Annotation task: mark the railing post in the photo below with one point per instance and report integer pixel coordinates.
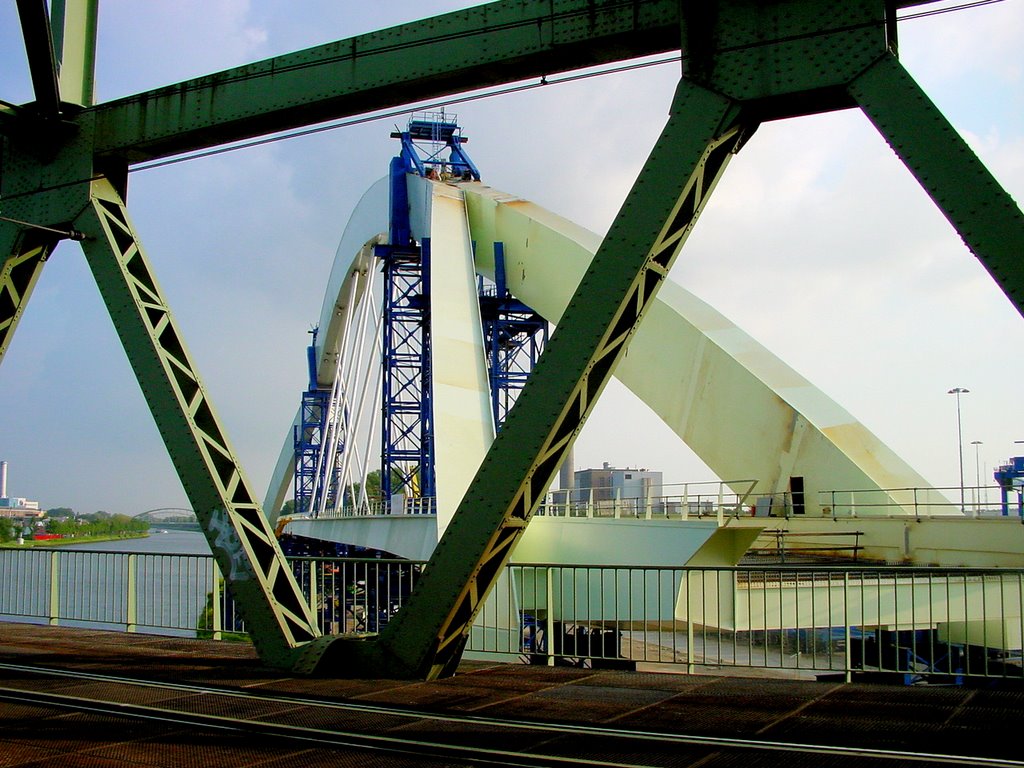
(313, 593)
(691, 667)
(686, 502)
(54, 588)
(721, 512)
(131, 594)
(216, 617)
(847, 651)
(549, 620)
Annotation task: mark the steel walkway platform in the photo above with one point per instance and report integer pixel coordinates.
(76, 697)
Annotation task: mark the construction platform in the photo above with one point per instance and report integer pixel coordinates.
(77, 697)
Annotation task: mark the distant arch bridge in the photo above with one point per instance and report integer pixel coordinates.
(168, 515)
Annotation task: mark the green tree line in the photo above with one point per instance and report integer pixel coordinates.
(64, 521)
(97, 524)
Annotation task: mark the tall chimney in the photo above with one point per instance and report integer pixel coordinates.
(3, 479)
(566, 478)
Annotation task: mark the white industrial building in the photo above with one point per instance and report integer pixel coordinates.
(13, 507)
(610, 483)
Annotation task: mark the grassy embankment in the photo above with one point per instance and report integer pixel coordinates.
(50, 543)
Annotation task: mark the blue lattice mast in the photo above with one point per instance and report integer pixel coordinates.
(308, 438)
(407, 435)
(514, 337)
(319, 447)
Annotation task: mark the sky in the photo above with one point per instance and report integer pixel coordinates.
(817, 242)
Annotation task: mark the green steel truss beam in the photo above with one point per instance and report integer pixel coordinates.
(980, 210)
(25, 254)
(42, 61)
(487, 45)
(650, 229)
(74, 38)
(658, 215)
(477, 47)
(242, 541)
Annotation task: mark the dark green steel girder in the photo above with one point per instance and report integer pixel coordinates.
(42, 61)
(486, 45)
(977, 206)
(240, 537)
(24, 254)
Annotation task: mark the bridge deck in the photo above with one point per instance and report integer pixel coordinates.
(182, 702)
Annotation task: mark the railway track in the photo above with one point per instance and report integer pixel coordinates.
(454, 738)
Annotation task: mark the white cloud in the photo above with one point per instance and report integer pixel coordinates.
(170, 41)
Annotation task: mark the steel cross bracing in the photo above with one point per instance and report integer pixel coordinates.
(407, 457)
(309, 449)
(316, 472)
(514, 337)
(64, 167)
(407, 463)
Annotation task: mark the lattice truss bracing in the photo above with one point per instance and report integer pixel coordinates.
(406, 462)
(339, 410)
(315, 474)
(514, 337)
(65, 163)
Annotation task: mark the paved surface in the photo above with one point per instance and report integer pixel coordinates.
(41, 731)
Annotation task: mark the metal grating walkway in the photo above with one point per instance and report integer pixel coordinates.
(75, 697)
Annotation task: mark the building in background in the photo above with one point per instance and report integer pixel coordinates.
(610, 483)
(15, 507)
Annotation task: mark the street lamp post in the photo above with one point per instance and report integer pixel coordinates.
(960, 441)
(977, 477)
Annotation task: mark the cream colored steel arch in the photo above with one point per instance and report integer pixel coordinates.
(463, 427)
(352, 261)
(742, 410)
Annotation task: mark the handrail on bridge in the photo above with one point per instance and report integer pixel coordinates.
(721, 500)
(913, 623)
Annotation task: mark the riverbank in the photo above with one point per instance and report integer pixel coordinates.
(51, 543)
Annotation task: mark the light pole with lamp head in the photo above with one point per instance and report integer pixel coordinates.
(960, 441)
(977, 478)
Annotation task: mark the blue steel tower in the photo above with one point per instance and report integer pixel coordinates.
(407, 455)
(308, 439)
(514, 336)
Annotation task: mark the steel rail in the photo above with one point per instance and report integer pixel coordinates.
(400, 745)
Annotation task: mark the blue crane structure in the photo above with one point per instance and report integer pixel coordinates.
(514, 336)
(309, 434)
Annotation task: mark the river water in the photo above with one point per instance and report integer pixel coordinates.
(159, 542)
(164, 587)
